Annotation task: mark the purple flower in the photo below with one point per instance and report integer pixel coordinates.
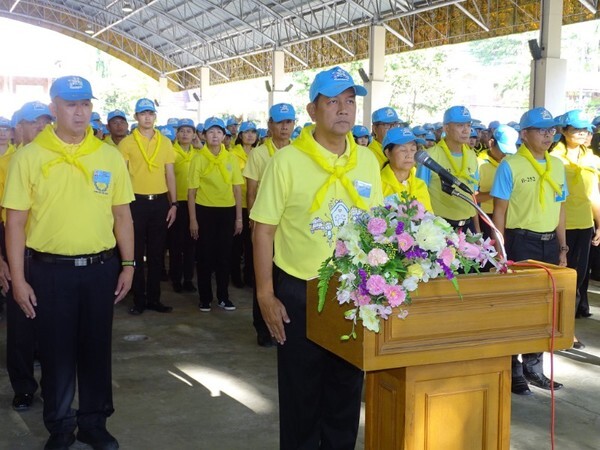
(340, 249)
(377, 226)
(362, 286)
(447, 271)
(416, 252)
(376, 285)
(400, 228)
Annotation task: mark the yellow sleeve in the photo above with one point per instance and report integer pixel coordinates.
(17, 193)
(123, 190)
(236, 173)
(194, 173)
(271, 197)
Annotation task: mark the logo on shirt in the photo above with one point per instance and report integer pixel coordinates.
(101, 181)
(338, 215)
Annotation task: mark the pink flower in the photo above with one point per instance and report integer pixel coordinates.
(395, 295)
(467, 249)
(420, 213)
(405, 241)
(377, 257)
(376, 284)
(340, 249)
(447, 256)
(377, 226)
(362, 300)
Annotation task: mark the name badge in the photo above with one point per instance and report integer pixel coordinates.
(101, 180)
(363, 188)
(562, 196)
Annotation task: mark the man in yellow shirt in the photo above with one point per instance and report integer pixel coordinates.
(150, 159)
(300, 206)
(529, 192)
(282, 118)
(118, 127)
(67, 197)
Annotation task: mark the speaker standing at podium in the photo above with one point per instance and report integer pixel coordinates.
(310, 189)
(529, 191)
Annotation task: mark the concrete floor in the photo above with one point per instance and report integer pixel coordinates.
(199, 381)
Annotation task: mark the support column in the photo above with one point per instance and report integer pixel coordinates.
(202, 112)
(548, 73)
(277, 94)
(378, 95)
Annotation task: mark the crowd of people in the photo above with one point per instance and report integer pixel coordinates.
(91, 210)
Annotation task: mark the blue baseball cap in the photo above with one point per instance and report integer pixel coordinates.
(105, 129)
(262, 133)
(360, 131)
(31, 111)
(168, 131)
(144, 104)
(506, 137)
(247, 126)
(333, 82)
(493, 125)
(537, 118)
(428, 126)
(173, 121)
(5, 123)
(457, 114)
(473, 133)
(72, 88)
(185, 123)
(385, 115)
(281, 112)
(438, 126)
(95, 125)
(115, 113)
(596, 121)
(95, 116)
(232, 121)
(430, 136)
(577, 119)
(214, 122)
(478, 126)
(419, 130)
(200, 128)
(398, 136)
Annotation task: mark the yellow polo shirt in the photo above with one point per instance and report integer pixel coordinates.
(4, 162)
(581, 169)
(415, 187)
(487, 171)
(183, 160)
(258, 160)
(377, 150)
(304, 239)
(70, 212)
(214, 177)
(242, 157)
(158, 150)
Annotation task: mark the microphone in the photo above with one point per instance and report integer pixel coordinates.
(422, 157)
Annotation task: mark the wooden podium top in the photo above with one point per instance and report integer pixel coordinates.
(500, 314)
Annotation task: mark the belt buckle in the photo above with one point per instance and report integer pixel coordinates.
(546, 237)
(80, 262)
(151, 197)
(461, 223)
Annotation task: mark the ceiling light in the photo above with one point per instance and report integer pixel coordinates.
(127, 7)
(90, 29)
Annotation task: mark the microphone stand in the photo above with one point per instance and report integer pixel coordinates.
(450, 189)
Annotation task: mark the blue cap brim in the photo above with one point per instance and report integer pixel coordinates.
(338, 88)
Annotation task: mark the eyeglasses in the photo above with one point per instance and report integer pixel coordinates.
(544, 131)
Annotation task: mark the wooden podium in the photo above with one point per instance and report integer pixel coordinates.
(440, 379)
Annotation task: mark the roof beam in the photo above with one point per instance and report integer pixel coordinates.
(479, 22)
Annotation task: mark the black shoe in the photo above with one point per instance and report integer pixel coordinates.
(177, 287)
(188, 286)
(578, 345)
(136, 310)
(540, 380)
(159, 307)
(22, 402)
(98, 439)
(585, 315)
(264, 340)
(519, 386)
(59, 441)
(204, 306)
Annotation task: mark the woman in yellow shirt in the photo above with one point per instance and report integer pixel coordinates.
(246, 140)
(582, 206)
(398, 173)
(215, 208)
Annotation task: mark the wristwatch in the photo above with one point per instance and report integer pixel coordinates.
(175, 204)
(564, 248)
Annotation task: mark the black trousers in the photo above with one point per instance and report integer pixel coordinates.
(319, 393)
(242, 247)
(213, 251)
(579, 242)
(150, 228)
(182, 248)
(518, 248)
(74, 330)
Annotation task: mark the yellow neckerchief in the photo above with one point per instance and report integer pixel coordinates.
(388, 176)
(545, 175)
(270, 146)
(9, 150)
(148, 158)
(51, 142)
(306, 144)
(561, 151)
(493, 162)
(186, 157)
(238, 150)
(217, 161)
(462, 173)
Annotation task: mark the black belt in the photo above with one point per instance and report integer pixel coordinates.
(76, 261)
(532, 234)
(150, 196)
(458, 223)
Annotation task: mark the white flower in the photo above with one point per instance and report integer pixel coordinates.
(410, 283)
(358, 255)
(343, 296)
(430, 237)
(368, 315)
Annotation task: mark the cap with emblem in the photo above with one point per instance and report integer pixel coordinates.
(144, 104)
(333, 82)
(71, 88)
(281, 112)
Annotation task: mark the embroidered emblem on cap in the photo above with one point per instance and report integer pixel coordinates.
(75, 83)
(340, 74)
(389, 112)
(546, 115)
(284, 108)
(145, 103)
(465, 112)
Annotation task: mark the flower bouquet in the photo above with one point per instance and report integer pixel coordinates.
(382, 255)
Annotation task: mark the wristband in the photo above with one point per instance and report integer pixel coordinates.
(564, 248)
(175, 204)
(128, 262)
